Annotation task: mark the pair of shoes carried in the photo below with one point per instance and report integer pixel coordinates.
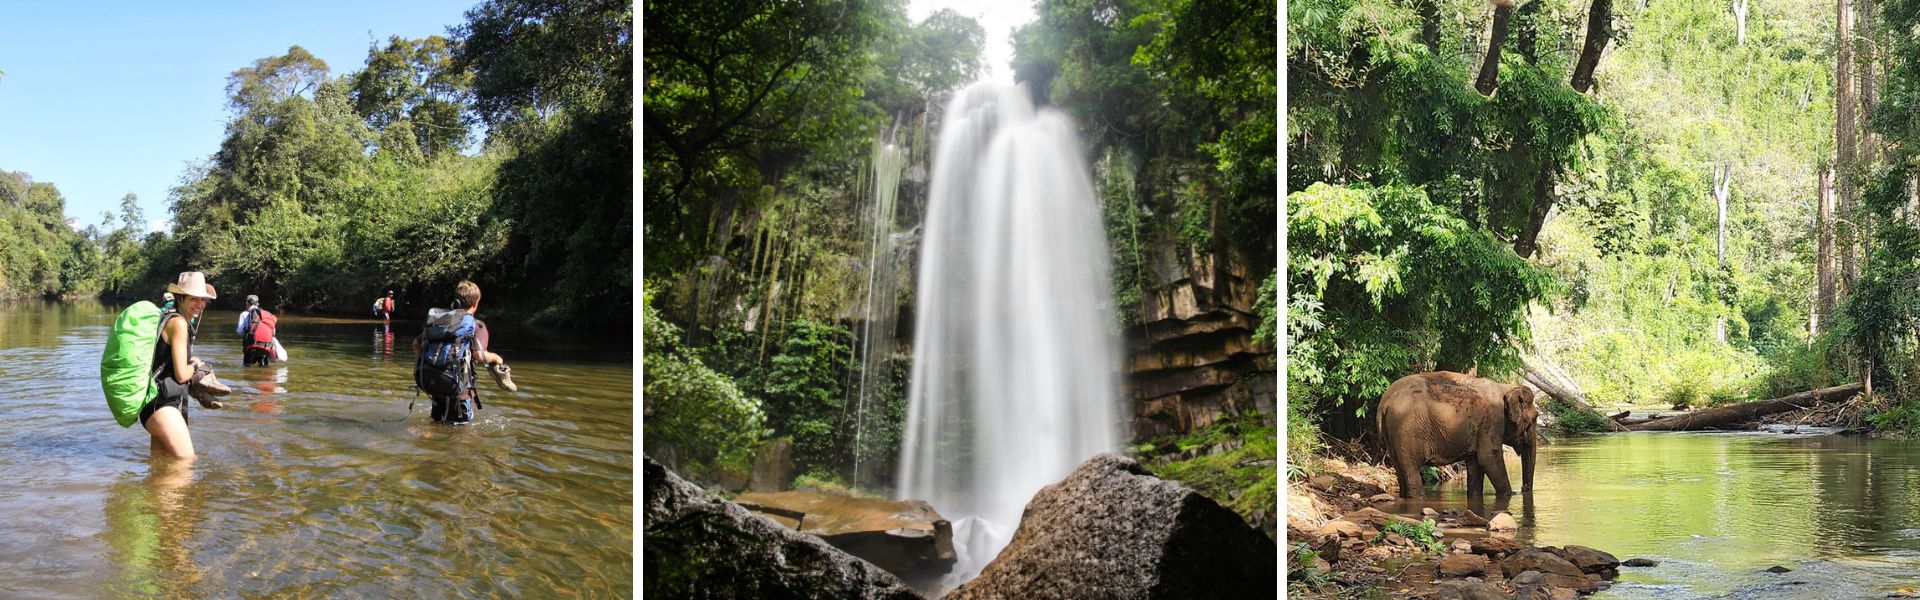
(503, 375)
(204, 387)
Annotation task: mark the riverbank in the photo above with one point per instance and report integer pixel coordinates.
(1340, 546)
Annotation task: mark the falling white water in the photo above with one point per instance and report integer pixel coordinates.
(1015, 367)
(882, 299)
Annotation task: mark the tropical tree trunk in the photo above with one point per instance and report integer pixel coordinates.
(1529, 239)
(1490, 66)
(1845, 102)
(1823, 263)
(1599, 32)
(1429, 23)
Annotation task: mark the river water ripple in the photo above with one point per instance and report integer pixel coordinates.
(316, 480)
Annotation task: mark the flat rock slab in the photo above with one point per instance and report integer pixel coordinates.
(897, 535)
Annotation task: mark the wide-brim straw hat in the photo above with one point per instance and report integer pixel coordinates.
(193, 283)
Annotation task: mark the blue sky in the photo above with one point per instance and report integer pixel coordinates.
(106, 98)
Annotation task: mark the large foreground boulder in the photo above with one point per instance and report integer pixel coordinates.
(1113, 530)
(699, 546)
(896, 535)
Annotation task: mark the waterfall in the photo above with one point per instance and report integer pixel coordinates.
(1016, 365)
(889, 161)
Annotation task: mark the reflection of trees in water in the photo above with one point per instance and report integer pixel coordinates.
(1870, 487)
(1749, 499)
(150, 522)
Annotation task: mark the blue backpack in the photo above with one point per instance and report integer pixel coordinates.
(445, 365)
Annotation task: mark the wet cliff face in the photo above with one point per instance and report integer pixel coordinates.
(1191, 358)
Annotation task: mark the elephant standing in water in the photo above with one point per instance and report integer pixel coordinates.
(1436, 419)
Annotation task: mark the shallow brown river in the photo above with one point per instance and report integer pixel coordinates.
(315, 481)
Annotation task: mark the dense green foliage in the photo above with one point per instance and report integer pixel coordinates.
(1384, 280)
(1647, 286)
(1176, 99)
(692, 411)
(40, 254)
(1627, 291)
(1881, 319)
(760, 119)
(327, 190)
(1408, 184)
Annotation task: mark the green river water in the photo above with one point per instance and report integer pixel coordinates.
(1717, 509)
(315, 480)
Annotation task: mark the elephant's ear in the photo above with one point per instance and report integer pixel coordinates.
(1518, 400)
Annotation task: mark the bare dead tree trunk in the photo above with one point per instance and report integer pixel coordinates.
(1740, 21)
(1728, 415)
(1722, 186)
(1823, 265)
(1599, 32)
(1490, 66)
(1845, 102)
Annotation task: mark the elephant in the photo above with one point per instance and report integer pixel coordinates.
(1439, 418)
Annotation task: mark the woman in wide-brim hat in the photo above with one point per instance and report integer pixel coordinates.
(165, 418)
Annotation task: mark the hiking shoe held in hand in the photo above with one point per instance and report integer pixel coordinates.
(503, 375)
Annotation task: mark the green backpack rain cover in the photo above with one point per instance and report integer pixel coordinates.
(126, 369)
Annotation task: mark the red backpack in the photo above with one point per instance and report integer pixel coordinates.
(260, 334)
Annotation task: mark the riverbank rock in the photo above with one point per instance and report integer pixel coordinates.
(1496, 547)
(1468, 519)
(1468, 590)
(1640, 562)
(699, 546)
(1463, 565)
(900, 536)
(1538, 559)
(772, 467)
(1502, 521)
(1113, 530)
(1590, 561)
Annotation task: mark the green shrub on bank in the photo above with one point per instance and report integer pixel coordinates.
(1570, 421)
(697, 412)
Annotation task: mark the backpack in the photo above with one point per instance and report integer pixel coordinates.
(444, 367)
(378, 303)
(260, 330)
(127, 368)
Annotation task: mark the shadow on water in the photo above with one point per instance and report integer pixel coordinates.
(316, 480)
(1717, 509)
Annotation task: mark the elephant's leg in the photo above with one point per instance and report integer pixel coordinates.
(1474, 473)
(1408, 468)
(1494, 462)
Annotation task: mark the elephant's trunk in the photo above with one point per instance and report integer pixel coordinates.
(1526, 467)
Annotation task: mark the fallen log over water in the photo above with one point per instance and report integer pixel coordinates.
(1727, 415)
(1550, 379)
